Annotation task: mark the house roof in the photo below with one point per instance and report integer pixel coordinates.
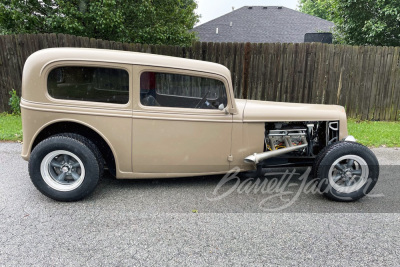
(262, 24)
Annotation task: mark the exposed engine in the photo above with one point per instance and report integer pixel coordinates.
(317, 135)
(277, 139)
(295, 140)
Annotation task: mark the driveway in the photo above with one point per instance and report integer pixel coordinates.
(198, 221)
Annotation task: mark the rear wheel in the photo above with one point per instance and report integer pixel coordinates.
(346, 171)
(65, 167)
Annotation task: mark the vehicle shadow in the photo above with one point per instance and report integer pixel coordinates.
(219, 194)
(278, 190)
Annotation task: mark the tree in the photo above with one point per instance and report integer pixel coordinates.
(319, 8)
(359, 22)
(368, 22)
(140, 21)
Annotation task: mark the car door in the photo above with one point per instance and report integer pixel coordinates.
(180, 124)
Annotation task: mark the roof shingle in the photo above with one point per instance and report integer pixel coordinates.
(262, 24)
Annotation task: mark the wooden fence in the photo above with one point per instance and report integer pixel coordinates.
(366, 80)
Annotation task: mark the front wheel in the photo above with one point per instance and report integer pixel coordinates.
(65, 167)
(346, 171)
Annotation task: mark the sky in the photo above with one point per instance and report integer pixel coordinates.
(211, 9)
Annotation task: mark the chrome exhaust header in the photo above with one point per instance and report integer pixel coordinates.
(258, 157)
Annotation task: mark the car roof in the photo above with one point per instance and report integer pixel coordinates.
(46, 56)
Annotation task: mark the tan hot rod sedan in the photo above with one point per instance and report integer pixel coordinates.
(149, 116)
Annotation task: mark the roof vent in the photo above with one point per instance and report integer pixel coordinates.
(279, 7)
(250, 7)
(265, 7)
(230, 24)
(216, 31)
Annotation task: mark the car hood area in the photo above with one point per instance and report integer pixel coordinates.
(261, 111)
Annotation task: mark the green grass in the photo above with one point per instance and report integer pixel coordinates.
(375, 133)
(10, 127)
(369, 133)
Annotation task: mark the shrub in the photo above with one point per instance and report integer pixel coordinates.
(14, 103)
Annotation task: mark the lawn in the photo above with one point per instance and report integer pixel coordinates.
(10, 127)
(369, 133)
(375, 133)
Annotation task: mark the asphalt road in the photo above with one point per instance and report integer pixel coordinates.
(154, 222)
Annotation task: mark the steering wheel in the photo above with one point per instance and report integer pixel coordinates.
(203, 100)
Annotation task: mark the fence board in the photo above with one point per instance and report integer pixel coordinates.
(395, 91)
(308, 72)
(367, 72)
(362, 59)
(273, 66)
(3, 83)
(264, 71)
(385, 90)
(280, 71)
(396, 103)
(373, 93)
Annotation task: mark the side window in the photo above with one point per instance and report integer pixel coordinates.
(181, 91)
(89, 84)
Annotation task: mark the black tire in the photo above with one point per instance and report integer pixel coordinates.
(83, 160)
(350, 179)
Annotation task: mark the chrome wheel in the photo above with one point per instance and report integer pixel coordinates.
(62, 170)
(348, 173)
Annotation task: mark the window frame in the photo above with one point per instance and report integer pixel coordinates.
(95, 64)
(139, 70)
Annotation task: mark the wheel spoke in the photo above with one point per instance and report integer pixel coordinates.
(75, 165)
(356, 172)
(61, 177)
(336, 178)
(339, 167)
(66, 158)
(350, 163)
(56, 164)
(75, 175)
(347, 183)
